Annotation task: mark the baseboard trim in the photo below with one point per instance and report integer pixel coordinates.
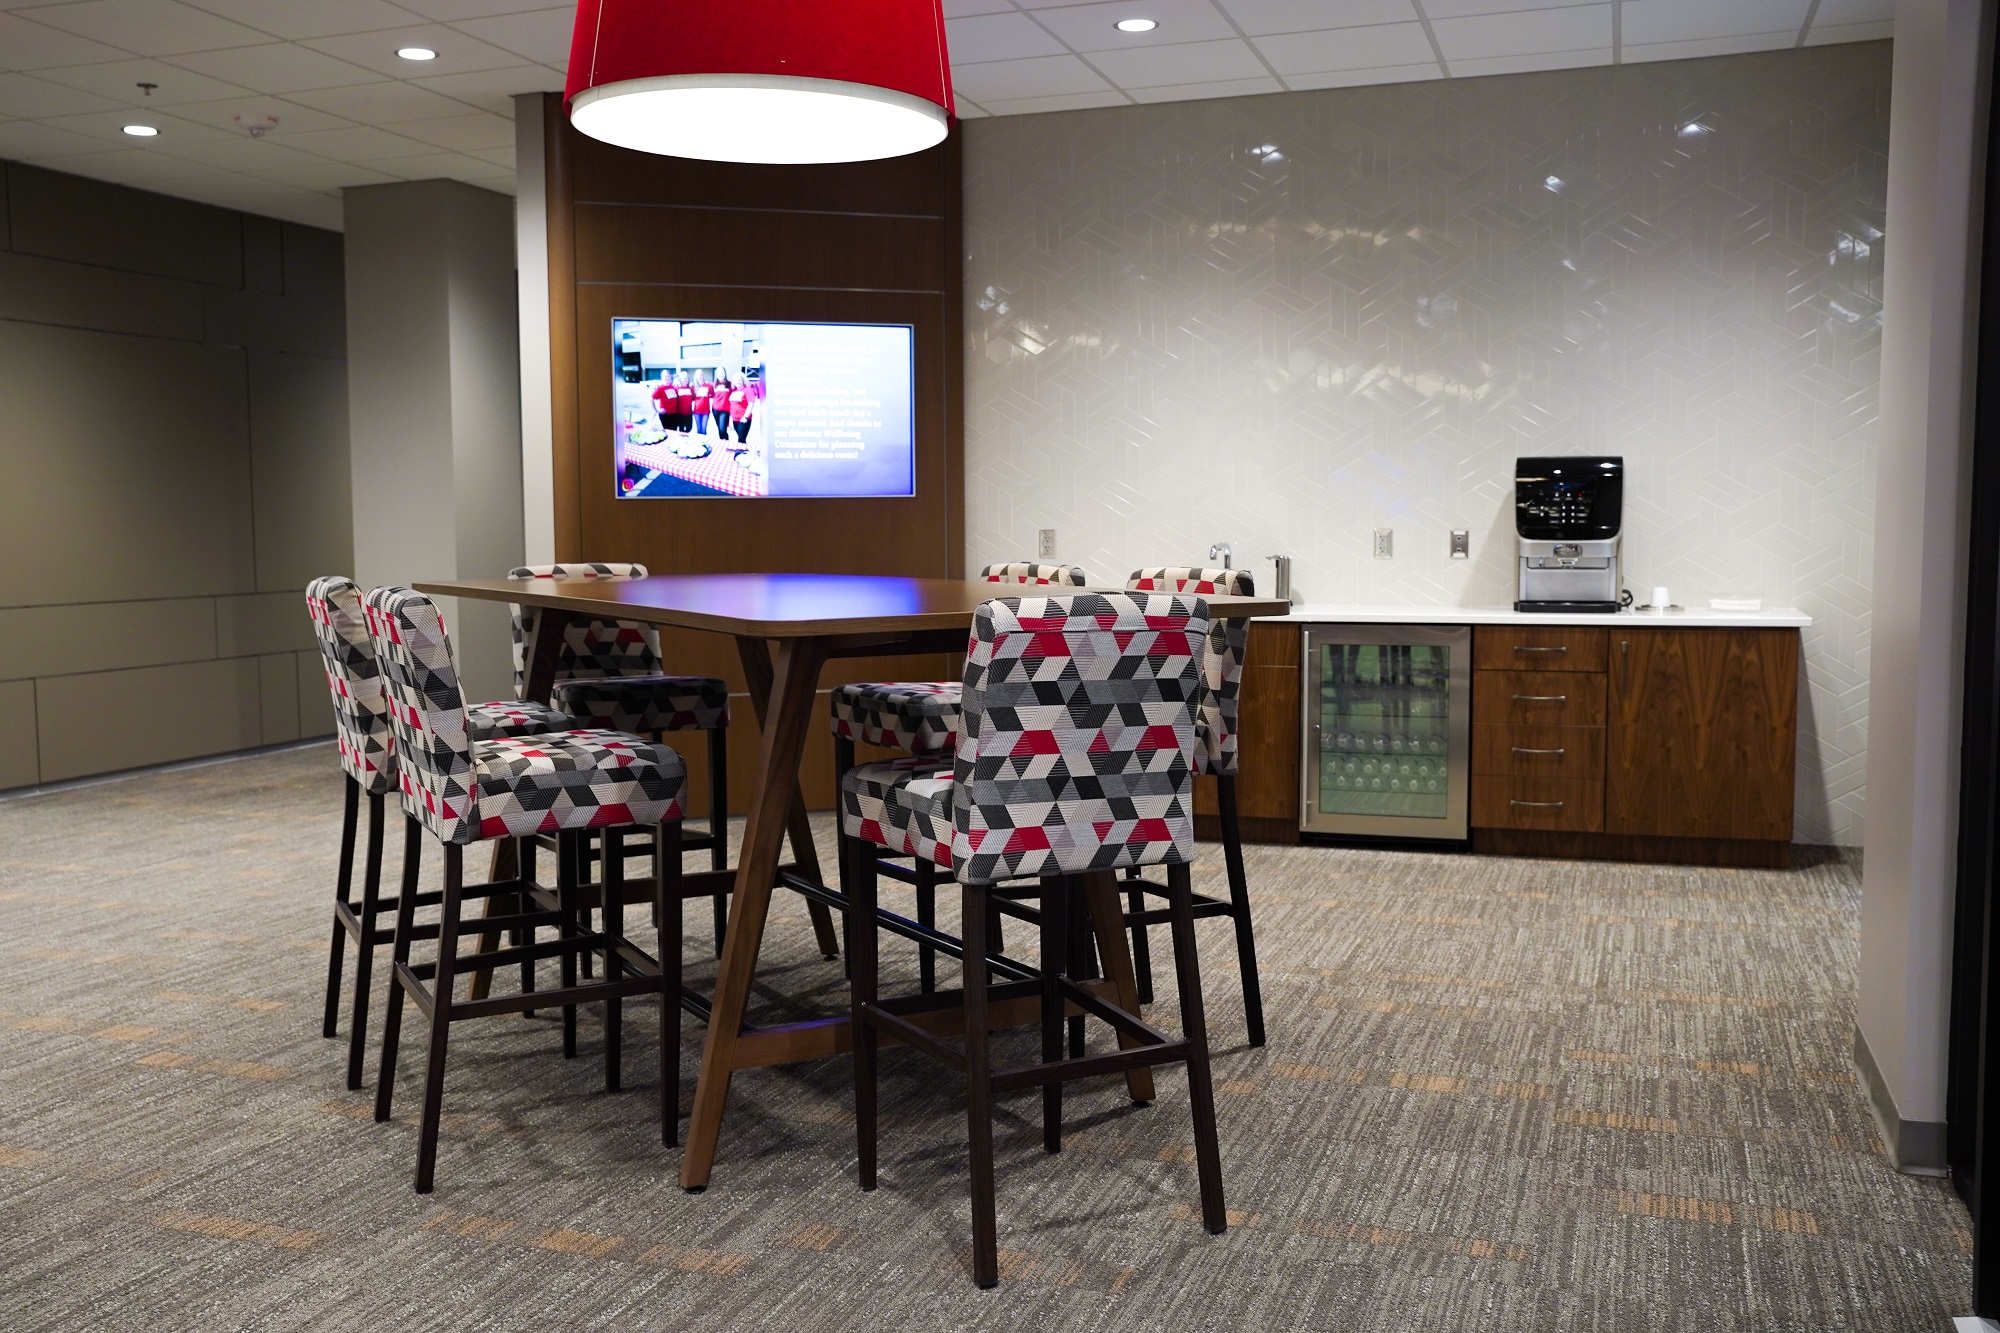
(178, 765)
(1916, 1147)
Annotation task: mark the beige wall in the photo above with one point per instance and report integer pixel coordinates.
(173, 470)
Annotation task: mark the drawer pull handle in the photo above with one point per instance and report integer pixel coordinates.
(1521, 750)
(1541, 698)
(1523, 648)
(1536, 805)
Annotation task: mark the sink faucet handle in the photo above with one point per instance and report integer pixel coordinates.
(1220, 551)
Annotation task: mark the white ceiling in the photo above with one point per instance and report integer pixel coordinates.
(350, 112)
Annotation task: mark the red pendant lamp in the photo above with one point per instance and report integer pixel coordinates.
(761, 80)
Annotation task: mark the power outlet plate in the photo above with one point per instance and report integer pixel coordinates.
(1385, 543)
(1461, 544)
(1045, 544)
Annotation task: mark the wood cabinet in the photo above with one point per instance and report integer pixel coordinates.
(1267, 738)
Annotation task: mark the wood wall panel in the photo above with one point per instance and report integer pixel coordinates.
(743, 247)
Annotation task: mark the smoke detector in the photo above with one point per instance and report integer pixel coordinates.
(258, 125)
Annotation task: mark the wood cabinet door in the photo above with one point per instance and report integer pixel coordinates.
(1702, 733)
(1267, 728)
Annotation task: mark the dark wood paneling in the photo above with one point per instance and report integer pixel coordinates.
(1267, 832)
(1616, 847)
(91, 222)
(896, 185)
(1267, 719)
(1503, 751)
(1704, 733)
(718, 249)
(1538, 698)
(1573, 805)
(1537, 648)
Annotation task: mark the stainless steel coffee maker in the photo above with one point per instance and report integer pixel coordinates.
(1567, 515)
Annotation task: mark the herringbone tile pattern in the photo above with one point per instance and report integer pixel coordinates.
(1283, 321)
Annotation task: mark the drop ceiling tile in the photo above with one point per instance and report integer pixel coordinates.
(1191, 92)
(1572, 28)
(242, 153)
(429, 166)
(23, 96)
(451, 11)
(1646, 22)
(1452, 9)
(1262, 17)
(1056, 102)
(1525, 64)
(1340, 49)
(124, 166)
(497, 157)
(264, 198)
(318, 18)
(1355, 78)
(1191, 62)
(494, 89)
(156, 27)
(354, 143)
(119, 80)
(1828, 34)
(1014, 80)
(1093, 27)
(326, 176)
(278, 67)
(958, 9)
(1708, 46)
(997, 37)
(1832, 13)
(293, 117)
(25, 44)
(456, 52)
(108, 127)
(26, 140)
(381, 103)
(540, 35)
(463, 134)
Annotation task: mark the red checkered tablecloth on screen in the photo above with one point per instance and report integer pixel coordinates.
(719, 471)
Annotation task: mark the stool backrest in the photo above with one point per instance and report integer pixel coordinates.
(591, 649)
(1027, 571)
(1076, 749)
(426, 712)
(1222, 668)
(354, 678)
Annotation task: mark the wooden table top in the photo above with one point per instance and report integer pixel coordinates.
(783, 606)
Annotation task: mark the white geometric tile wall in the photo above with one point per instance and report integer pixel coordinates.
(1283, 321)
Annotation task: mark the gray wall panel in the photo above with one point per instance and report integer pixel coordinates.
(315, 703)
(104, 636)
(264, 322)
(140, 486)
(68, 217)
(265, 622)
(161, 714)
(315, 263)
(18, 765)
(303, 490)
(278, 697)
(54, 291)
(263, 254)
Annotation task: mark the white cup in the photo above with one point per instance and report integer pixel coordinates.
(1660, 599)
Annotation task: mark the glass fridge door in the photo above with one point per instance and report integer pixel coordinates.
(1387, 735)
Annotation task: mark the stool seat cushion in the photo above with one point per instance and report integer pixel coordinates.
(918, 716)
(646, 704)
(901, 804)
(514, 717)
(572, 780)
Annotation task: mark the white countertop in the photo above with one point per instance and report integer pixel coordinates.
(1783, 617)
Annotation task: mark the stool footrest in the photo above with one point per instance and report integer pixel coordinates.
(913, 1036)
(1089, 1066)
(412, 978)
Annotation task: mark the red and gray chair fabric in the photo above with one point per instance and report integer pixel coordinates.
(463, 789)
(1222, 675)
(1060, 768)
(368, 759)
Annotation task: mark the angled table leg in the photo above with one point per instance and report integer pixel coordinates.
(788, 714)
(1114, 951)
(756, 657)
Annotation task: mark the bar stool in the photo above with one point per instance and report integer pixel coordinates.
(368, 764)
(461, 791)
(921, 718)
(1062, 768)
(1222, 670)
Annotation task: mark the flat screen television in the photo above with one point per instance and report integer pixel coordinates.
(708, 409)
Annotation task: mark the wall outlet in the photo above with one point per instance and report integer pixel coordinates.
(1385, 543)
(1045, 544)
(1461, 544)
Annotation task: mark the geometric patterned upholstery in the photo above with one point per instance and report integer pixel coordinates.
(465, 789)
(621, 659)
(1077, 747)
(921, 716)
(515, 717)
(1222, 668)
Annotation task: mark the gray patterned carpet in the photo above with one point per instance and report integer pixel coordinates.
(1499, 1095)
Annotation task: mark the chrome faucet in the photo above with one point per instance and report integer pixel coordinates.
(1283, 564)
(1220, 551)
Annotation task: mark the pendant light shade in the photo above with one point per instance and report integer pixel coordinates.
(762, 80)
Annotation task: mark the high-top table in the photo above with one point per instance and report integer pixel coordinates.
(808, 619)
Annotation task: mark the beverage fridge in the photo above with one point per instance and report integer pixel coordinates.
(1387, 730)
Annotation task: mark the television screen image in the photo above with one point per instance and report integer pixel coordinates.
(709, 409)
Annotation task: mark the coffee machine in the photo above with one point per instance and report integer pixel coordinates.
(1567, 514)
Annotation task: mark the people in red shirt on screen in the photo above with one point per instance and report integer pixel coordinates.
(683, 404)
(665, 402)
(700, 409)
(742, 409)
(718, 403)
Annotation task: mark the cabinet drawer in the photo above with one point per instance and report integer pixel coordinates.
(1538, 648)
(1568, 805)
(1538, 698)
(1522, 751)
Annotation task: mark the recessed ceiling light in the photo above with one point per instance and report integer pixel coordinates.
(1136, 25)
(417, 53)
(141, 131)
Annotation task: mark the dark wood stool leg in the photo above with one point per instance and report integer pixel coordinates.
(1142, 939)
(862, 964)
(843, 759)
(977, 910)
(614, 931)
(1201, 1092)
(1239, 905)
(364, 956)
(406, 920)
(1079, 960)
(1056, 914)
(343, 887)
(587, 842)
(667, 917)
(718, 821)
(926, 916)
(568, 867)
(525, 934)
(441, 997)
